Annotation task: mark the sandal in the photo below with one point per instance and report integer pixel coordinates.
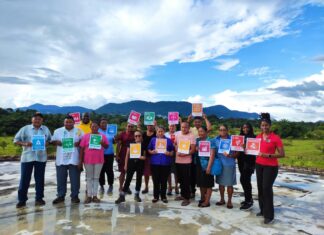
(229, 206)
(220, 203)
(155, 200)
(205, 204)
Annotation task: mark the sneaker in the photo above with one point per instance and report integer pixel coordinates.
(87, 200)
(164, 200)
(110, 190)
(268, 221)
(40, 202)
(120, 199)
(58, 200)
(95, 199)
(145, 191)
(185, 203)
(137, 198)
(242, 203)
(102, 190)
(20, 204)
(259, 214)
(75, 200)
(246, 206)
(129, 191)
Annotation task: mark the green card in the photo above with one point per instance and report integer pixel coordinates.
(149, 118)
(67, 145)
(94, 142)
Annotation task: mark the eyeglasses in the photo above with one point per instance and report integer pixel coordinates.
(138, 136)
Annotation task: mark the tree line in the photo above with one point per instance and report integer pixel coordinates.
(12, 120)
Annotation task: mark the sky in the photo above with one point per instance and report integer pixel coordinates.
(248, 55)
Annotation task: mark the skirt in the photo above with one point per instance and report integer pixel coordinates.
(228, 176)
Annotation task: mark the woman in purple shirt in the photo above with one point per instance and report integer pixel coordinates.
(162, 151)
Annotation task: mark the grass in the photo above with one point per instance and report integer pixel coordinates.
(299, 153)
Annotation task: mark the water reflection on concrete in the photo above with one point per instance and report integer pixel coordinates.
(298, 200)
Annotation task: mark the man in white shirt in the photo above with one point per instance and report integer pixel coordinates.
(67, 140)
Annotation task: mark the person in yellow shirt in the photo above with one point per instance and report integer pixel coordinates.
(85, 123)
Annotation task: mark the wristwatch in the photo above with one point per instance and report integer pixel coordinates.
(269, 155)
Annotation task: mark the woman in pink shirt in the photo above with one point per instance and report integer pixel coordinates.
(271, 148)
(92, 156)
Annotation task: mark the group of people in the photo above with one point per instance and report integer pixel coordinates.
(190, 170)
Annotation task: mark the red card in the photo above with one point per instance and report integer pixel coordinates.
(134, 117)
(173, 118)
(237, 143)
(252, 146)
(76, 117)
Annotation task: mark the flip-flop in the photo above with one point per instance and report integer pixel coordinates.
(220, 203)
(229, 206)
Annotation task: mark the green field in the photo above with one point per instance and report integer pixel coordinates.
(299, 153)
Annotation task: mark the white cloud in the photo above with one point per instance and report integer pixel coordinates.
(300, 100)
(93, 52)
(226, 65)
(256, 71)
(195, 99)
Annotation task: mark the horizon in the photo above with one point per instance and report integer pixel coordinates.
(249, 56)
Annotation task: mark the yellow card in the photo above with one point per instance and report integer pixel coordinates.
(197, 110)
(135, 150)
(184, 146)
(161, 145)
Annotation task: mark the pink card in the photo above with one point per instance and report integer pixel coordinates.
(204, 149)
(134, 117)
(76, 117)
(173, 118)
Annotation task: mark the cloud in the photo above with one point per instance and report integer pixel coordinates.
(12, 80)
(226, 65)
(195, 99)
(256, 71)
(319, 58)
(300, 100)
(93, 52)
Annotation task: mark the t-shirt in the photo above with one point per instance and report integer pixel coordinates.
(269, 146)
(161, 158)
(194, 131)
(110, 149)
(67, 158)
(185, 159)
(204, 160)
(226, 161)
(93, 156)
(86, 128)
(171, 136)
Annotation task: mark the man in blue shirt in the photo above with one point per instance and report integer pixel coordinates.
(33, 139)
(109, 154)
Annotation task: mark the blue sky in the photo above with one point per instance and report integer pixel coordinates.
(248, 55)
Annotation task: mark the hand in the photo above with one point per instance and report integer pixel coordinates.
(226, 154)
(142, 158)
(180, 119)
(204, 116)
(77, 144)
(80, 166)
(181, 154)
(27, 144)
(125, 167)
(58, 143)
(263, 154)
(189, 117)
(208, 170)
(155, 123)
(154, 151)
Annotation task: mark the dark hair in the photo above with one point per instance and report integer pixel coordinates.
(265, 117)
(95, 122)
(224, 125)
(103, 119)
(161, 127)
(203, 127)
(69, 117)
(185, 122)
(38, 114)
(250, 133)
(198, 118)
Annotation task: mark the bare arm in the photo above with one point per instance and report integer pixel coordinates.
(208, 124)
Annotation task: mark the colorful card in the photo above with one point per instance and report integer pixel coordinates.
(67, 145)
(112, 129)
(204, 149)
(38, 143)
(76, 117)
(173, 118)
(134, 117)
(237, 143)
(184, 146)
(161, 145)
(95, 141)
(149, 118)
(252, 146)
(197, 110)
(224, 146)
(135, 151)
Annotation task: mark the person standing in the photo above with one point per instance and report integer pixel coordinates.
(85, 124)
(246, 165)
(160, 164)
(109, 155)
(133, 165)
(93, 158)
(123, 140)
(228, 176)
(67, 140)
(183, 162)
(147, 137)
(32, 159)
(271, 148)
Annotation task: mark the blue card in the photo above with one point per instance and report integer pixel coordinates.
(224, 146)
(112, 129)
(38, 143)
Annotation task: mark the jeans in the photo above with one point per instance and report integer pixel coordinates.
(134, 165)
(183, 174)
(107, 169)
(62, 172)
(160, 176)
(92, 178)
(39, 176)
(266, 176)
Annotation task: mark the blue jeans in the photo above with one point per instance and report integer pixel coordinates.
(39, 176)
(62, 172)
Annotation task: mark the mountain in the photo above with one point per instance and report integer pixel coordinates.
(53, 109)
(160, 108)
